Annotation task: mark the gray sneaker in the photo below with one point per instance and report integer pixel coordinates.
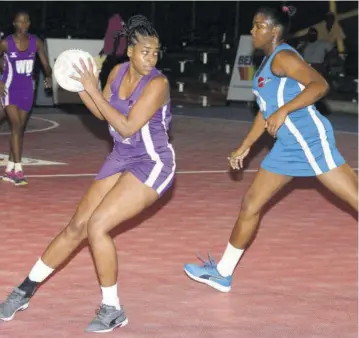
(17, 301)
(107, 318)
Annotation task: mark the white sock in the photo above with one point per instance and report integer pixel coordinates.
(110, 297)
(40, 271)
(10, 166)
(229, 260)
(18, 167)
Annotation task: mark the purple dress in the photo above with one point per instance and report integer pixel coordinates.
(147, 154)
(17, 77)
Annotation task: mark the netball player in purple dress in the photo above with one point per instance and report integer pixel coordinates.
(141, 167)
(2, 89)
(19, 51)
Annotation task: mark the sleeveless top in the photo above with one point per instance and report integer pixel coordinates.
(19, 65)
(153, 136)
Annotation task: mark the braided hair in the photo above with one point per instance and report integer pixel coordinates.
(279, 16)
(138, 25)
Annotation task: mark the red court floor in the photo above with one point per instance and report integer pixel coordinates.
(299, 278)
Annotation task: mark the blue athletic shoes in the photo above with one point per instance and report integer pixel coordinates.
(207, 273)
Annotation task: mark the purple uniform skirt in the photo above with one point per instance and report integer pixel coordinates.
(157, 173)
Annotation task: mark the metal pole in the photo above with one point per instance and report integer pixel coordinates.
(236, 23)
(43, 15)
(333, 6)
(333, 9)
(193, 26)
(153, 12)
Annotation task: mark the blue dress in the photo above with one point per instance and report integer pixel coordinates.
(305, 143)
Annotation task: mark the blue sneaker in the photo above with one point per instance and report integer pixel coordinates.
(207, 273)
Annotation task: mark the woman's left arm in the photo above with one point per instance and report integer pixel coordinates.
(289, 64)
(45, 63)
(153, 97)
(43, 57)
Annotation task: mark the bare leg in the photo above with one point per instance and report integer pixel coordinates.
(2, 115)
(343, 182)
(59, 249)
(15, 121)
(264, 186)
(23, 123)
(76, 231)
(125, 200)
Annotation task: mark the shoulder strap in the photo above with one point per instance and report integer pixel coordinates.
(115, 85)
(145, 80)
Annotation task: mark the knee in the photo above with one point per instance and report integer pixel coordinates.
(16, 127)
(355, 194)
(355, 202)
(76, 230)
(95, 228)
(249, 207)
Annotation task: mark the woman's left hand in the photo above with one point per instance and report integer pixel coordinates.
(86, 77)
(48, 82)
(275, 121)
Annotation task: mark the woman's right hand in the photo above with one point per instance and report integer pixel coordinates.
(236, 158)
(3, 90)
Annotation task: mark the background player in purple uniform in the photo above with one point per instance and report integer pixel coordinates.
(2, 87)
(141, 167)
(2, 90)
(19, 51)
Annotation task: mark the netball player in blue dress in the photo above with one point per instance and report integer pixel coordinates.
(286, 88)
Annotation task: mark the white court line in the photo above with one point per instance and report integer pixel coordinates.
(181, 172)
(53, 125)
(345, 132)
(250, 122)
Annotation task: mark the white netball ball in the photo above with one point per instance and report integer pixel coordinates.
(64, 68)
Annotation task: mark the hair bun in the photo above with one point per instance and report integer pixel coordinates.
(137, 21)
(289, 10)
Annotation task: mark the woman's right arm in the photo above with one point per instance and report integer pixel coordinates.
(3, 48)
(90, 104)
(257, 129)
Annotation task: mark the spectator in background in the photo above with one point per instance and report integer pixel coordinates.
(114, 49)
(317, 52)
(328, 30)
